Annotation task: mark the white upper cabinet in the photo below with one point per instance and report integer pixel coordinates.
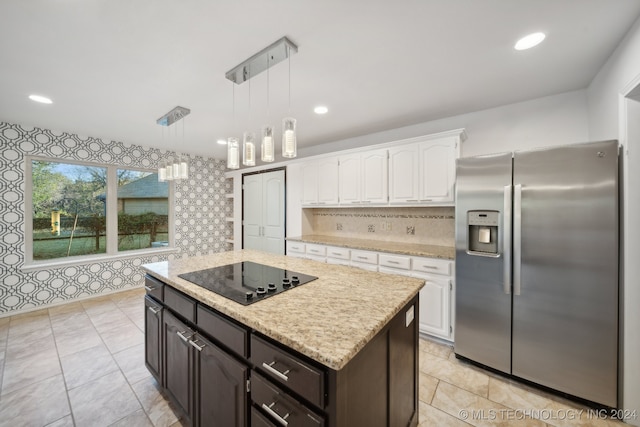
(438, 171)
(424, 172)
(363, 178)
(404, 174)
(320, 182)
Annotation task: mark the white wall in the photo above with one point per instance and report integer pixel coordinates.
(552, 120)
(611, 116)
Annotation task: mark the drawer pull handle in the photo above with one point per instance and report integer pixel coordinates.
(362, 257)
(196, 346)
(274, 414)
(149, 288)
(282, 375)
(336, 253)
(393, 262)
(433, 267)
(182, 337)
(154, 310)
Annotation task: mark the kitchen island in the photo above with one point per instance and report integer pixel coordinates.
(338, 351)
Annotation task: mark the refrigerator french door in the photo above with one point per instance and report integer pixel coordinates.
(537, 266)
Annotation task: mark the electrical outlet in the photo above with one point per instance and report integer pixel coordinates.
(371, 228)
(411, 229)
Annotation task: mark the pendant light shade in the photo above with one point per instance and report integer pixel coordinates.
(162, 171)
(249, 149)
(178, 168)
(289, 145)
(267, 149)
(233, 153)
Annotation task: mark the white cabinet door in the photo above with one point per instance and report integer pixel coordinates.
(435, 306)
(404, 174)
(374, 181)
(327, 179)
(310, 183)
(349, 179)
(438, 170)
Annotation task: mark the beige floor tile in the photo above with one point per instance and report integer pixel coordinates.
(131, 362)
(86, 365)
(29, 369)
(454, 372)
(65, 310)
(553, 410)
(39, 340)
(154, 403)
(35, 405)
(69, 341)
(432, 417)
(121, 339)
(99, 305)
(135, 419)
(427, 385)
(62, 422)
(71, 321)
(436, 348)
(477, 410)
(29, 322)
(110, 320)
(103, 401)
(4, 332)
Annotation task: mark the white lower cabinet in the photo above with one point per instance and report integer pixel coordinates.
(437, 297)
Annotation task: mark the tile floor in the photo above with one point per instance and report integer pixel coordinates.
(82, 364)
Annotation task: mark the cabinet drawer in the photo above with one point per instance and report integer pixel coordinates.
(316, 250)
(180, 303)
(431, 265)
(295, 247)
(225, 331)
(284, 368)
(339, 253)
(154, 288)
(364, 257)
(280, 406)
(259, 420)
(395, 261)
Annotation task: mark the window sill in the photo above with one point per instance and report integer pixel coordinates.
(73, 261)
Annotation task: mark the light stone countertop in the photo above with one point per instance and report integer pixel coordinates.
(328, 320)
(429, 251)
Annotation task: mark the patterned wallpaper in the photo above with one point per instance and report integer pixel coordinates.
(201, 209)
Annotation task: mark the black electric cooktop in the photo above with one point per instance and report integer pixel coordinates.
(247, 282)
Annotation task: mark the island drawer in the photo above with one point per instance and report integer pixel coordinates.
(180, 303)
(301, 377)
(430, 265)
(154, 288)
(223, 330)
(395, 261)
(280, 406)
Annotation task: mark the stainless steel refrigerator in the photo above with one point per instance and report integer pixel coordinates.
(537, 266)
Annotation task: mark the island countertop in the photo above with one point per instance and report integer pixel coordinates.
(403, 248)
(328, 320)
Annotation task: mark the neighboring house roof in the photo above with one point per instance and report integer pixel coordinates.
(144, 188)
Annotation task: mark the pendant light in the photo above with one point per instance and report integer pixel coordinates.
(170, 169)
(261, 61)
(249, 141)
(266, 148)
(289, 143)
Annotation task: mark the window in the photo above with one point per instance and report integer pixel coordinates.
(94, 210)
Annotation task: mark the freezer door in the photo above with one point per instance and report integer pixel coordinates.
(565, 303)
(483, 288)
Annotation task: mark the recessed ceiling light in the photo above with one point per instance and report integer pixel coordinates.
(41, 99)
(527, 42)
(320, 109)
(222, 141)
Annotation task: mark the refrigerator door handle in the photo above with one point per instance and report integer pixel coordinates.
(506, 239)
(517, 237)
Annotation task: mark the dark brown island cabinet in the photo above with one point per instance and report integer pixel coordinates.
(219, 372)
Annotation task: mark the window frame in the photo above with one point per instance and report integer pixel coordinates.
(111, 231)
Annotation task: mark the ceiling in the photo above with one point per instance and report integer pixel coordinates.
(112, 67)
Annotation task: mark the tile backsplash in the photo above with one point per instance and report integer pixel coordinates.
(428, 225)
